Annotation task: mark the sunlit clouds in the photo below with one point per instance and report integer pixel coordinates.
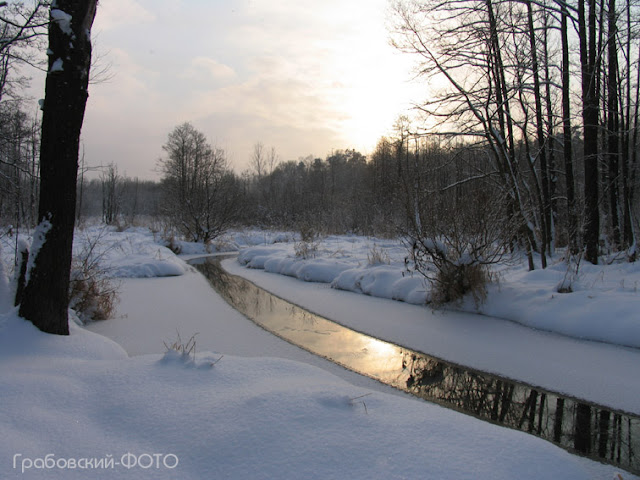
(302, 76)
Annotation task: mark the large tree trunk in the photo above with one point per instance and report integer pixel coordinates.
(572, 222)
(613, 127)
(45, 300)
(545, 203)
(590, 108)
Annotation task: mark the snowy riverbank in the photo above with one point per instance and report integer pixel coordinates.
(262, 410)
(603, 305)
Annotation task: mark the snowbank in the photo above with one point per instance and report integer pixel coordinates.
(602, 307)
(130, 254)
(134, 253)
(79, 407)
(79, 402)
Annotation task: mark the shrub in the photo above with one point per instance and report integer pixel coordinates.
(308, 245)
(454, 281)
(92, 293)
(572, 273)
(172, 243)
(454, 245)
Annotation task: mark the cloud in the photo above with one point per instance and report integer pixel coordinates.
(114, 14)
(301, 74)
(205, 70)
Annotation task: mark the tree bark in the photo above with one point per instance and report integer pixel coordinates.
(45, 300)
(572, 222)
(545, 206)
(613, 126)
(590, 108)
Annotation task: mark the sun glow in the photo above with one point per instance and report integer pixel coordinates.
(306, 77)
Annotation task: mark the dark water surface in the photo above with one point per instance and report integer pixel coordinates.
(581, 427)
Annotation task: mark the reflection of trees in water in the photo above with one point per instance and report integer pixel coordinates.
(587, 429)
(249, 299)
(242, 295)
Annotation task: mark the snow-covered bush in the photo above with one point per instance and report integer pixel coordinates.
(451, 276)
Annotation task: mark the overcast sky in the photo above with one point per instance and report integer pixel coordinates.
(303, 76)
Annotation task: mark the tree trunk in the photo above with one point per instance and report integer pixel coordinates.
(627, 221)
(572, 222)
(613, 127)
(545, 207)
(551, 142)
(588, 60)
(45, 300)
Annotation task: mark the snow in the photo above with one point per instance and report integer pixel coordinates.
(247, 406)
(602, 307)
(130, 254)
(63, 19)
(342, 262)
(58, 66)
(39, 237)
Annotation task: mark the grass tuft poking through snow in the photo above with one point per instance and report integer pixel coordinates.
(185, 349)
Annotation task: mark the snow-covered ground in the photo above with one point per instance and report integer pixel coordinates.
(248, 406)
(580, 352)
(602, 307)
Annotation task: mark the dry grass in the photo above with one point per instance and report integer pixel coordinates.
(186, 349)
(377, 256)
(307, 247)
(452, 282)
(92, 293)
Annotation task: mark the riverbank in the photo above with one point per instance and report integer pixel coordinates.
(247, 405)
(601, 373)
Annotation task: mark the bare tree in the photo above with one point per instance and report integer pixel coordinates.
(201, 194)
(469, 46)
(589, 61)
(45, 299)
(572, 221)
(22, 27)
(258, 160)
(111, 193)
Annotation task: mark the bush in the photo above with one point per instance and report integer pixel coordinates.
(308, 245)
(92, 293)
(454, 244)
(452, 282)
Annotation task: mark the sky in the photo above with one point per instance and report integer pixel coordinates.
(303, 76)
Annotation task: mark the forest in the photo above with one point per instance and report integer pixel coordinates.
(527, 144)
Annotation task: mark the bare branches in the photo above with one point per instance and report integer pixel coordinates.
(201, 195)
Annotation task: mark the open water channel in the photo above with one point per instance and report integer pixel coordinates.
(577, 425)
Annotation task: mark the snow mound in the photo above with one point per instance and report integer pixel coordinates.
(383, 281)
(130, 254)
(601, 307)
